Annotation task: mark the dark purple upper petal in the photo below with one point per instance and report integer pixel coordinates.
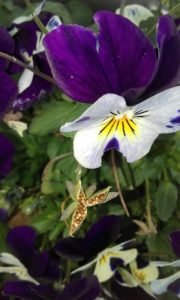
(102, 234)
(128, 57)
(168, 68)
(74, 61)
(6, 156)
(71, 248)
(8, 92)
(86, 67)
(25, 236)
(28, 291)
(81, 289)
(6, 45)
(175, 242)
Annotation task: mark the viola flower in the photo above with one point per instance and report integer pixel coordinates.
(83, 200)
(8, 88)
(95, 248)
(119, 59)
(84, 288)
(6, 155)
(28, 47)
(110, 123)
(26, 262)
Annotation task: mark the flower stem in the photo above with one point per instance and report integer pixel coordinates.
(36, 18)
(116, 178)
(25, 66)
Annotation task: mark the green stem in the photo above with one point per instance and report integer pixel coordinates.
(36, 18)
(116, 178)
(122, 6)
(25, 66)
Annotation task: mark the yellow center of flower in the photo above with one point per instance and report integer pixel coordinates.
(141, 276)
(122, 125)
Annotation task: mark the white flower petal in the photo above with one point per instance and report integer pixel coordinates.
(101, 109)
(146, 274)
(175, 263)
(103, 269)
(160, 286)
(136, 13)
(10, 259)
(160, 112)
(25, 80)
(84, 267)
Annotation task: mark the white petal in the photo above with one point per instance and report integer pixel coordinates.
(10, 259)
(88, 149)
(20, 272)
(146, 274)
(97, 112)
(37, 11)
(84, 267)
(18, 126)
(136, 13)
(103, 269)
(175, 263)
(25, 80)
(53, 23)
(161, 112)
(160, 286)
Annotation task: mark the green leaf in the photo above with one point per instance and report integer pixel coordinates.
(166, 200)
(51, 117)
(58, 9)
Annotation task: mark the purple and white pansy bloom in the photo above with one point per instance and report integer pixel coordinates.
(111, 123)
(118, 80)
(31, 51)
(104, 269)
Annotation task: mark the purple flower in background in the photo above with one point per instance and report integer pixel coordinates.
(95, 244)
(26, 262)
(175, 242)
(119, 59)
(8, 88)
(81, 289)
(6, 156)
(28, 47)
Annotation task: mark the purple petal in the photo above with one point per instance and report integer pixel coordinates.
(168, 69)
(127, 55)
(3, 215)
(175, 242)
(85, 288)
(113, 144)
(6, 45)
(175, 287)
(6, 156)
(28, 291)
(21, 240)
(74, 61)
(8, 92)
(102, 234)
(70, 248)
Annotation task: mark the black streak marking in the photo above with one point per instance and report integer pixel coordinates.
(105, 126)
(132, 129)
(111, 127)
(113, 113)
(123, 129)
